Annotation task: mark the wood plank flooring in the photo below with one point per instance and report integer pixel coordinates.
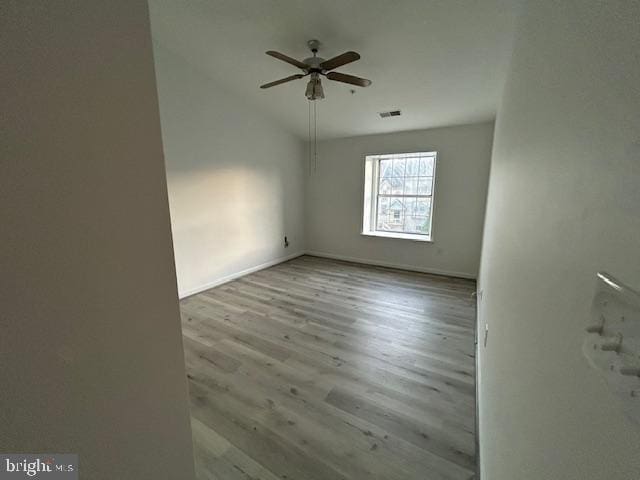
(318, 369)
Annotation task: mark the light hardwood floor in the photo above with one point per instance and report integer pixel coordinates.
(318, 369)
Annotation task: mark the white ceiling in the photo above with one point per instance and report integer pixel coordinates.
(442, 62)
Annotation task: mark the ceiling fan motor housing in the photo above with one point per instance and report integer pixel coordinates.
(314, 63)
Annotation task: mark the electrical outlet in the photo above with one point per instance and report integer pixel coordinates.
(612, 345)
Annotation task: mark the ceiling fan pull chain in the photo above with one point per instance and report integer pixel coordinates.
(309, 142)
(315, 137)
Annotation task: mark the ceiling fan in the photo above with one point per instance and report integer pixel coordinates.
(317, 66)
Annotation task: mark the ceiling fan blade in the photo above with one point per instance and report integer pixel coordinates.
(344, 78)
(282, 80)
(340, 60)
(284, 58)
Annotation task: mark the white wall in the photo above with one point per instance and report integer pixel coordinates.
(235, 178)
(564, 202)
(335, 199)
(91, 357)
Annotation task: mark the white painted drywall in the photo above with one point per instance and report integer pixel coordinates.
(235, 178)
(442, 62)
(564, 202)
(91, 357)
(335, 199)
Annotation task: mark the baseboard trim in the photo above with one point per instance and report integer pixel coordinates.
(477, 385)
(366, 261)
(399, 266)
(233, 276)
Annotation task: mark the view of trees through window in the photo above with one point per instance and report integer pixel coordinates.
(405, 187)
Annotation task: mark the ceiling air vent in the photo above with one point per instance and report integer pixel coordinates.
(392, 113)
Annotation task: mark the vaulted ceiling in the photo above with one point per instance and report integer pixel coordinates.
(442, 62)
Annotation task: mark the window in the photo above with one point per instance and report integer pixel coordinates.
(398, 195)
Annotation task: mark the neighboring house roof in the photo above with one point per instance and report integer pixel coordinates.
(396, 205)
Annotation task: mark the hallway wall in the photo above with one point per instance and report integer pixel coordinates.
(91, 358)
(564, 203)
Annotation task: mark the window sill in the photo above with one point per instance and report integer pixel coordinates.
(400, 236)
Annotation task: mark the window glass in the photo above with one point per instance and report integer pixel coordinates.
(403, 191)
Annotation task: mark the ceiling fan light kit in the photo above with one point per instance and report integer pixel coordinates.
(314, 88)
(315, 67)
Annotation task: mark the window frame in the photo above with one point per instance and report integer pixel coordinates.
(371, 195)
